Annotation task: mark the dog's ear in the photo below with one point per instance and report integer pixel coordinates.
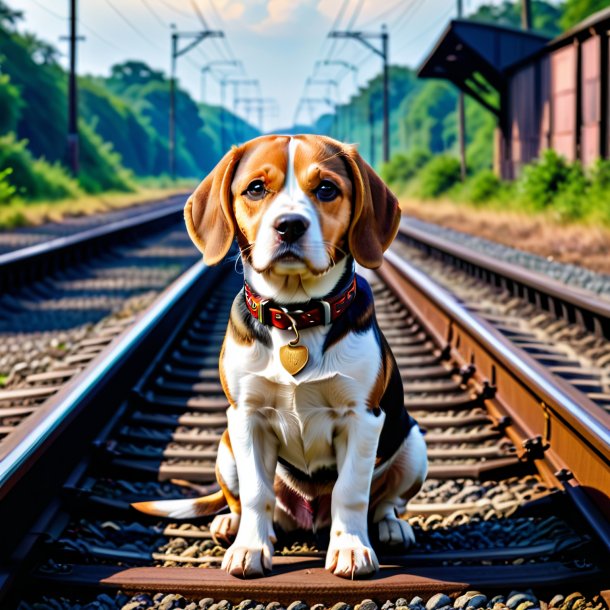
(376, 214)
(209, 213)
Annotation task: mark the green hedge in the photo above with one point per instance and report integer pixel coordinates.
(33, 178)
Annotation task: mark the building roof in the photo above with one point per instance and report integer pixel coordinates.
(475, 56)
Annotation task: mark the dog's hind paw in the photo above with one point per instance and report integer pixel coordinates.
(224, 527)
(348, 557)
(247, 562)
(395, 532)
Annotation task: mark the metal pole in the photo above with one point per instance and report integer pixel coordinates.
(526, 14)
(172, 108)
(223, 83)
(371, 132)
(461, 119)
(386, 94)
(73, 96)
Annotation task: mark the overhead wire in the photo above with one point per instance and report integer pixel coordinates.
(131, 25)
(433, 26)
(154, 13)
(50, 11)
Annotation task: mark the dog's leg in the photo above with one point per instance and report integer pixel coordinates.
(349, 551)
(396, 487)
(255, 448)
(224, 527)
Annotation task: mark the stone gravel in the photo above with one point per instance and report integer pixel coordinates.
(471, 600)
(571, 275)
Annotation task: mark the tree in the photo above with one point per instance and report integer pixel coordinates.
(133, 72)
(577, 10)
(9, 17)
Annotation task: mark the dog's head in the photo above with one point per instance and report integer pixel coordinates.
(296, 204)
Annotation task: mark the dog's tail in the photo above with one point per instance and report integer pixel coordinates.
(184, 509)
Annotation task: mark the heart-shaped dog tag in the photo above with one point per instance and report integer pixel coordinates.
(294, 357)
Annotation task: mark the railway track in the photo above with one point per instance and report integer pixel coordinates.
(64, 302)
(25, 237)
(510, 516)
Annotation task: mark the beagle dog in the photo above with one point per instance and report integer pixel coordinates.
(317, 430)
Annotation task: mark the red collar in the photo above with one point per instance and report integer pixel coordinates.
(320, 311)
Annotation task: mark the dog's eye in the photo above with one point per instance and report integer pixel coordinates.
(327, 191)
(256, 190)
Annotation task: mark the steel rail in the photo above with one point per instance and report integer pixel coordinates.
(14, 463)
(30, 263)
(547, 406)
(574, 304)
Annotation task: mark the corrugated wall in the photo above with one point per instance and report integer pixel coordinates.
(563, 101)
(591, 100)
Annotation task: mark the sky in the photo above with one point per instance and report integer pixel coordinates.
(278, 43)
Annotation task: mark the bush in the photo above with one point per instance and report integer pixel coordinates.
(403, 166)
(438, 176)
(543, 180)
(7, 190)
(34, 178)
(100, 166)
(482, 187)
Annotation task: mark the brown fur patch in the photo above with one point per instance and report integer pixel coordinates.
(232, 501)
(264, 159)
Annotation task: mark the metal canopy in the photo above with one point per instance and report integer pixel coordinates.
(474, 56)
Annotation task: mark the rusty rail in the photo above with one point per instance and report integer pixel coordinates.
(566, 302)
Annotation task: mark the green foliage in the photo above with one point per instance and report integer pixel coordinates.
(577, 10)
(482, 187)
(33, 178)
(428, 110)
(546, 17)
(7, 190)
(101, 166)
(402, 167)
(544, 179)
(438, 176)
(10, 105)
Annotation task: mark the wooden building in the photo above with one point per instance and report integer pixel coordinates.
(544, 93)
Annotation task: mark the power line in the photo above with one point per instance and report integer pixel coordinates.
(199, 14)
(154, 13)
(174, 9)
(408, 12)
(48, 10)
(440, 21)
(93, 33)
(383, 14)
(131, 25)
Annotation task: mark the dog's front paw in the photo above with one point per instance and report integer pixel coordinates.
(246, 562)
(349, 557)
(224, 527)
(395, 532)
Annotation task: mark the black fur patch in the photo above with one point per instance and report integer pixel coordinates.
(398, 422)
(258, 331)
(358, 318)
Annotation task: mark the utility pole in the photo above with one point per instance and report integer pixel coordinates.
(363, 38)
(371, 132)
(526, 14)
(237, 83)
(195, 38)
(461, 118)
(264, 105)
(210, 66)
(73, 154)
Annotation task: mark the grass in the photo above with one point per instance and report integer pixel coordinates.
(20, 213)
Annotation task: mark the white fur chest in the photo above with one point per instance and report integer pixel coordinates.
(305, 412)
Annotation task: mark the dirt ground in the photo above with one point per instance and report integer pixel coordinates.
(578, 244)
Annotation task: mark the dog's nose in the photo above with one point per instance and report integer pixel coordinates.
(291, 226)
